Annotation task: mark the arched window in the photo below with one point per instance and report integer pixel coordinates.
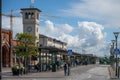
(32, 15)
(29, 15)
(26, 15)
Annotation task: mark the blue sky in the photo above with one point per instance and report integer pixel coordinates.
(84, 24)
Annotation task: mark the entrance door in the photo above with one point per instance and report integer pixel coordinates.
(5, 56)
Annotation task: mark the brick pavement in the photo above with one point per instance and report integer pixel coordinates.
(7, 73)
(58, 74)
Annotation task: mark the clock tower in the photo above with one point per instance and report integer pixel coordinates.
(31, 21)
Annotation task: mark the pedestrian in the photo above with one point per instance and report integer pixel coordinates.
(68, 69)
(37, 67)
(65, 69)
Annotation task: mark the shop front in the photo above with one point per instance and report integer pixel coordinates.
(51, 58)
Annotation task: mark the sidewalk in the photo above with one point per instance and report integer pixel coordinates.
(7, 73)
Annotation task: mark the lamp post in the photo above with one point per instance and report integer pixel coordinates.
(53, 61)
(113, 42)
(39, 52)
(112, 53)
(116, 36)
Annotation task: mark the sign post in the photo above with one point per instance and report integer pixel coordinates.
(53, 62)
(69, 54)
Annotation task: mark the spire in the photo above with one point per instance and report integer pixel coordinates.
(31, 5)
(32, 1)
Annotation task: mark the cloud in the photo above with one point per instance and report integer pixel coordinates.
(60, 31)
(66, 28)
(89, 36)
(91, 31)
(72, 41)
(94, 38)
(53, 29)
(5, 22)
(105, 11)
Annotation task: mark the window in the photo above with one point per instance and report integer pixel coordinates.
(32, 15)
(29, 15)
(26, 15)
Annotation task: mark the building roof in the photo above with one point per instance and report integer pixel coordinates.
(31, 9)
(43, 36)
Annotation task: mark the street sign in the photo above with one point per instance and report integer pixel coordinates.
(69, 52)
(116, 51)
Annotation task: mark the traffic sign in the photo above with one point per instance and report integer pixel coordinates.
(69, 52)
(116, 51)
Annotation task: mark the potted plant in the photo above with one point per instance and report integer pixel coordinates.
(16, 70)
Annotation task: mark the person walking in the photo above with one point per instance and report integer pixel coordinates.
(65, 69)
(68, 68)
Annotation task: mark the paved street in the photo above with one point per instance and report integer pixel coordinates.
(89, 72)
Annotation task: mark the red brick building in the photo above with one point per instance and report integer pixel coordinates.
(6, 48)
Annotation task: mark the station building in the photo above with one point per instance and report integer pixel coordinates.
(51, 51)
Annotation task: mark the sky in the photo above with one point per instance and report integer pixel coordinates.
(86, 26)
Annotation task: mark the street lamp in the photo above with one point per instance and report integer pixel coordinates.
(39, 52)
(113, 42)
(116, 36)
(53, 61)
(112, 53)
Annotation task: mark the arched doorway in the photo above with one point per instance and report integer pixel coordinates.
(5, 56)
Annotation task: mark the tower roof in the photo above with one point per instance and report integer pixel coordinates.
(31, 9)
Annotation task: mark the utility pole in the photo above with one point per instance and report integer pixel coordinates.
(0, 51)
(0, 44)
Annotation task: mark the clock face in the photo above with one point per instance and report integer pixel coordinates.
(29, 29)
